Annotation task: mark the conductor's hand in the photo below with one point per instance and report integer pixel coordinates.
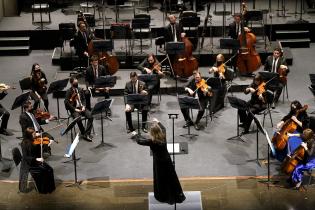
(128, 108)
(40, 159)
(189, 91)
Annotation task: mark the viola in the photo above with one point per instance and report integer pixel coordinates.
(39, 140)
(157, 67)
(204, 87)
(261, 89)
(283, 73)
(280, 138)
(41, 114)
(290, 162)
(221, 70)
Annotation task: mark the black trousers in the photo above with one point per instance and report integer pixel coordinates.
(87, 114)
(203, 104)
(5, 117)
(144, 114)
(44, 96)
(43, 175)
(278, 92)
(246, 118)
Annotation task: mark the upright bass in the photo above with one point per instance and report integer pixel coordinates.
(248, 59)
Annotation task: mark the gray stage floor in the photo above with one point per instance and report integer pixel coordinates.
(209, 154)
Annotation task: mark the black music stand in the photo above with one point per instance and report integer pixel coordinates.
(174, 48)
(74, 159)
(103, 45)
(151, 81)
(20, 100)
(99, 108)
(188, 102)
(55, 87)
(138, 99)
(238, 104)
(105, 81)
(139, 24)
(116, 3)
(230, 44)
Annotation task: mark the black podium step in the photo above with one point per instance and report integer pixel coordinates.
(15, 50)
(292, 34)
(295, 43)
(14, 41)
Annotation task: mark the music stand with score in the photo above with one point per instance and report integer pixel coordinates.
(20, 100)
(100, 108)
(140, 24)
(103, 82)
(138, 99)
(188, 102)
(238, 104)
(55, 87)
(74, 159)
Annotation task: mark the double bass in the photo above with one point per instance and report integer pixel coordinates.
(280, 138)
(248, 59)
(185, 64)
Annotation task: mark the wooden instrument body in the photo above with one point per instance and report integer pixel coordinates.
(290, 163)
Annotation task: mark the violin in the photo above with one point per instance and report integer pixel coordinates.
(221, 71)
(157, 67)
(39, 140)
(75, 97)
(204, 87)
(261, 89)
(41, 114)
(280, 138)
(290, 162)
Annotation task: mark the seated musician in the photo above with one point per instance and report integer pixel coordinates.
(39, 86)
(298, 115)
(202, 93)
(33, 162)
(4, 114)
(256, 104)
(308, 161)
(28, 120)
(75, 102)
(135, 86)
(81, 41)
(150, 65)
(276, 63)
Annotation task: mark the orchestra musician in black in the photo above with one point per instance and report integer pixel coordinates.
(81, 41)
(75, 102)
(173, 30)
(235, 27)
(135, 86)
(39, 86)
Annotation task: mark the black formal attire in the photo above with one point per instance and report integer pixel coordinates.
(302, 117)
(136, 88)
(4, 114)
(166, 185)
(41, 89)
(255, 105)
(234, 30)
(81, 42)
(203, 100)
(42, 173)
(91, 75)
(273, 65)
(173, 32)
(71, 106)
(28, 120)
(154, 86)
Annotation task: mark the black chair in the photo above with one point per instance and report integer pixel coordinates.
(141, 28)
(159, 41)
(67, 32)
(25, 84)
(17, 156)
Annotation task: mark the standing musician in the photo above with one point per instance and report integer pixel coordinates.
(235, 26)
(135, 86)
(197, 87)
(276, 63)
(28, 120)
(173, 30)
(39, 86)
(75, 102)
(33, 162)
(301, 159)
(256, 104)
(4, 114)
(150, 65)
(81, 41)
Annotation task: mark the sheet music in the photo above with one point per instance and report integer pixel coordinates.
(170, 147)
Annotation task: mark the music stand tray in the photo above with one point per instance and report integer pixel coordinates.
(56, 86)
(102, 45)
(230, 44)
(174, 48)
(188, 102)
(238, 104)
(149, 79)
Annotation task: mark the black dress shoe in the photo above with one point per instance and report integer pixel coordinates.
(188, 124)
(6, 132)
(197, 126)
(245, 132)
(241, 125)
(130, 130)
(87, 138)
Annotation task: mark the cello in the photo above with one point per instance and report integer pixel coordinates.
(290, 162)
(248, 59)
(185, 64)
(280, 139)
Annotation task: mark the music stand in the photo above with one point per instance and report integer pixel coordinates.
(215, 84)
(188, 102)
(100, 107)
(103, 45)
(149, 79)
(140, 23)
(238, 104)
(55, 87)
(137, 99)
(174, 48)
(20, 100)
(230, 44)
(116, 3)
(74, 159)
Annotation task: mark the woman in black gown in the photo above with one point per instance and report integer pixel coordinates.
(167, 188)
(32, 162)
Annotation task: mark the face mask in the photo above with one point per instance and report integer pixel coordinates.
(219, 63)
(75, 85)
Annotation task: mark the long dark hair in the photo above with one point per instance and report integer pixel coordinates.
(297, 105)
(33, 68)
